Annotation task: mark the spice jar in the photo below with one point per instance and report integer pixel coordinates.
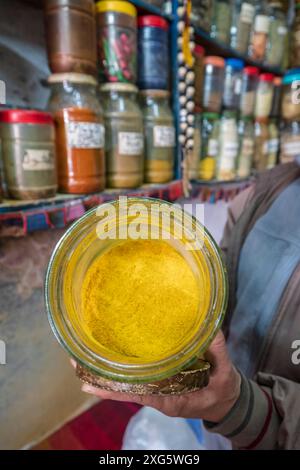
(259, 34)
(221, 20)
(248, 92)
(199, 73)
(28, 153)
(276, 103)
(79, 133)
(273, 143)
(117, 41)
(71, 36)
(153, 53)
(213, 83)
(290, 142)
(276, 46)
(261, 153)
(194, 156)
(246, 147)
(242, 19)
(295, 38)
(201, 14)
(209, 145)
(159, 136)
(264, 95)
(290, 95)
(146, 364)
(232, 83)
(124, 139)
(228, 146)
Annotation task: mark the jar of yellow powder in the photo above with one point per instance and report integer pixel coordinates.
(135, 292)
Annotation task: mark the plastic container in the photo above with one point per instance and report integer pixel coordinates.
(117, 41)
(242, 19)
(232, 83)
(290, 142)
(221, 20)
(71, 36)
(79, 133)
(180, 371)
(273, 143)
(290, 108)
(261, 154)
(199, 73)
(124, 136)
(277, 97)
(260, 34)
(28, 153)
(278, 31)
(209, 145)
(264, 95)
(246, 147)
(295, 38)
(228, 147)
(248, 92)
(159, 136)
(153, 53)
(213, 83)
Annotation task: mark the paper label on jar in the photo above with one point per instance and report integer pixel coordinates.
(262, 24)
(291, 148)
(229, 155)
(247, 13)
(282, 30)
(38, 160)
(213, 147)
(247, 148)
(130, 143)
(85, 135)
(273, 145)
(163, 136)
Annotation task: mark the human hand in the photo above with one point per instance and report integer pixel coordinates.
(211, 403)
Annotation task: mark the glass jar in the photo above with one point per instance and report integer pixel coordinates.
(232, 83)
(86, 240)
(71, 36)
(264, 95)
(199, 73)
(273, 144)
(209, 145)
(28, 153)
(201, 14)
(277, 36)
(248, 92)
(295, 38)
(221, 20)
(290, 108)
(153, 53)
(246, 147)
(261, 154)
(79, 133)
(276, 103)
(228, 147)
(159, 136)
(117, 41)
(213, 83)
(260, 33)
(242, 19)
(290, 142)
(124, 136)
(194, 156)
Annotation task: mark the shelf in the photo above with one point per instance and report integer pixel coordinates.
(214, 191)
(218, 48)
(18, 218)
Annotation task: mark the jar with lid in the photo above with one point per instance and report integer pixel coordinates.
(277, 36)
(261, 153)
(248, 92)
(242, 19)
(124, 136)
(28, 153)
(228, 146)
(117, 41)
(153, 53)
(264, 95)
(194, 156)
(105, 366)
(295, 38)
(273, 143)
(232, 83)
(201, 14)
(291, 95)
(159, 134)
(260, 33)
(214, 70)
(246, 147)
(199, 73)
(290, 141)
(71, 36)
(79, 133)
(221, 20)
(209, 145)
(276, 103)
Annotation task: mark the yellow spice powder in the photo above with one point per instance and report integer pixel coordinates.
(140, 299)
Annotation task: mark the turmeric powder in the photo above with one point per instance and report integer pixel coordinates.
(140, 299)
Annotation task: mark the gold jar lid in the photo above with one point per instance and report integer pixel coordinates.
(79, 78)
(122, 87)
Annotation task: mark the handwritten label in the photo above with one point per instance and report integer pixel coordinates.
(163, 136)
(130, 143)
(85, 135)
(38, 160)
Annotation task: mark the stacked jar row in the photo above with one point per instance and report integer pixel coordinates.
(290, 133)
(227, 147)
(117, 140)
(252, 27)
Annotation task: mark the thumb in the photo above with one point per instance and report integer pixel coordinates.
(217, 354)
